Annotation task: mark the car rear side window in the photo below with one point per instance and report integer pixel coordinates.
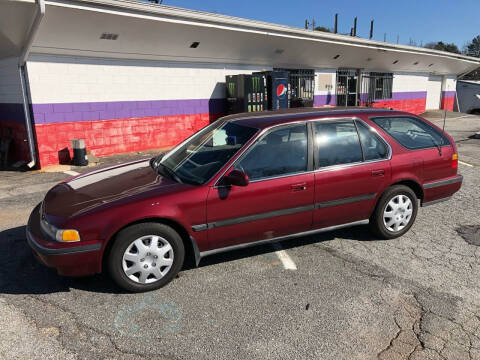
(411, 133)
(280, 152)
(373, 147)
(337, 143)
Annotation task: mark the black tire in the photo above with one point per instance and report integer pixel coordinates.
(126, 237)
(377, 224)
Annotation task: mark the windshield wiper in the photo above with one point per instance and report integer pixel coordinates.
(439, 148)
(169, 172)
(155, 162)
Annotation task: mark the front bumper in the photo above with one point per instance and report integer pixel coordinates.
(76, 259)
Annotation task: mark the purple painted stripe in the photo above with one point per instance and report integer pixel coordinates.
(65, 112)
(409, 95)
(448, 94)
(322, 100)
(330, 99)
(11, 112)
(406, 95)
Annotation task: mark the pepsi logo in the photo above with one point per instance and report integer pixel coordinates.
(281, 90)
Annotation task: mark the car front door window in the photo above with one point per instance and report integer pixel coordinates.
(278, 153)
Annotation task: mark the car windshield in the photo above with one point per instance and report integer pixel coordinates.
(205, 153)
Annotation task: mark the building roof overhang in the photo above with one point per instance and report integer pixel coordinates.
(157, 32)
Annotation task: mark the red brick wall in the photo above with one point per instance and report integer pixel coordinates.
(414, 106)
(447, 103)
(106, 137)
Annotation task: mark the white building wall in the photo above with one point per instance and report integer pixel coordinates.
(449, 83)
(322, 76)
(55, 79)
(325, 87)
(409, 82)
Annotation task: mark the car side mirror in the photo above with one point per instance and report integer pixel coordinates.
(235, 178)
(155, 161)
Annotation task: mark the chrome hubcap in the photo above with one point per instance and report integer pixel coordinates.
(147, 259)
(398, 213)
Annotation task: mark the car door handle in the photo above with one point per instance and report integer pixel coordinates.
(379, 172)
(299, 187)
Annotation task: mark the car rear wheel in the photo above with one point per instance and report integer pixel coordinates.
(395, 212)
(145, 257)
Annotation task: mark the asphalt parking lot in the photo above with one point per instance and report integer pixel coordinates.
(346, 296)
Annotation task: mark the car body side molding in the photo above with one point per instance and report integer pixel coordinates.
(281, 238)
(436, 201)
(345, 201)
(288, 211)
(457, 178)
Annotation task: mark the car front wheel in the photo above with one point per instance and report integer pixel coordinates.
(145, 257)
(395, 212)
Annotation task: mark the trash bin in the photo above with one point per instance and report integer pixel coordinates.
(79, 152)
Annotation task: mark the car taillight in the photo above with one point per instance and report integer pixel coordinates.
(455, 161)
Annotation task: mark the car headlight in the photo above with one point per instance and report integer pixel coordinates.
(61, 235)
(69, 235)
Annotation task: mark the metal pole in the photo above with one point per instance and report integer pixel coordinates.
(371, 30)
(335, 26)
(23, 80)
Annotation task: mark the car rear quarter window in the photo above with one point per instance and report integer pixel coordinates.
(373, 147)
(412, 133)
(337, 143)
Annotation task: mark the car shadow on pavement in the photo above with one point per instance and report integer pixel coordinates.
(22, 273)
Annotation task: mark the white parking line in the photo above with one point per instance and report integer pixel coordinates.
(71, 172)
(464, 163)
(286, 260)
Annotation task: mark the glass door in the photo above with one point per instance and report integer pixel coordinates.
(347, 87)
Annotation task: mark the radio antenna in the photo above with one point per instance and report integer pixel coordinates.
(444, 111)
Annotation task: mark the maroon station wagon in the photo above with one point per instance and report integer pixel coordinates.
(243, 180)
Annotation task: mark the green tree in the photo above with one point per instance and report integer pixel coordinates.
(473, 48)
(322, 28)
(443, 47)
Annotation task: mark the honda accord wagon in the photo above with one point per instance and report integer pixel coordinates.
(245, 180)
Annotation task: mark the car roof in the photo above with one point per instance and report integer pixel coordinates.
(265, 119)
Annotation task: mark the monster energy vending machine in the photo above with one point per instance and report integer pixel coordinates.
(277, 89)
(246, 93)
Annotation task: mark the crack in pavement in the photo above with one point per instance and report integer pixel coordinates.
(86, 341)
(421, 331)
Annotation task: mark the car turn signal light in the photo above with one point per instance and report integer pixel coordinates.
(455, 161)
(68, 235)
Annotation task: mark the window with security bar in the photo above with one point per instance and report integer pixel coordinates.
(302, 86)
(376, 86)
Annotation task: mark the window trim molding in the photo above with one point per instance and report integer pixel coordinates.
(309, 123)
(269, 130)
(346, 165)
(377, 136)
(371, 118)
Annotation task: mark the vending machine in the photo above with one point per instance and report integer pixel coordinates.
(277, 89)
(246, 93)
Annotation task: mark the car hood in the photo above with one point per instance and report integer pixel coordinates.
(88, 191)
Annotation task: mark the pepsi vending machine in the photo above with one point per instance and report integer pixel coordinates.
(277, 89)
(246, 93)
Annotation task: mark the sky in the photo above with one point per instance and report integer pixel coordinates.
(422, 21)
